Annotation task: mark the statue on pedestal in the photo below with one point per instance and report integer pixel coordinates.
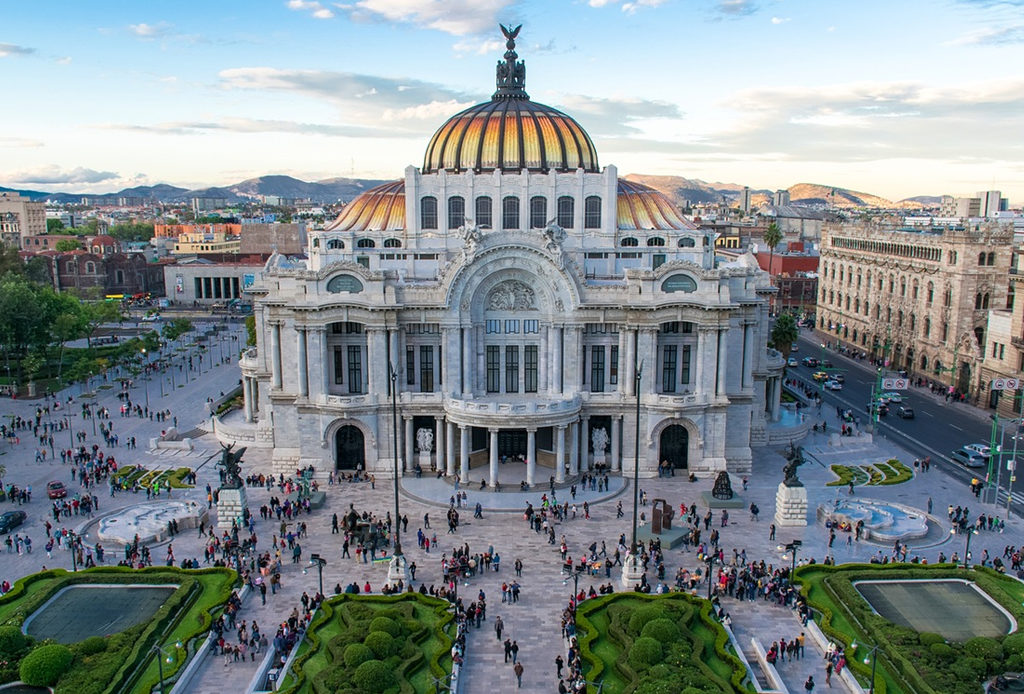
(794, 460)
(230, 466)
(723, 486)
(425, 440)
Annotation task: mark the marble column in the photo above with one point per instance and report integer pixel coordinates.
(275, 355)
(247, 397)
(325, 362)
(720, 367)
(647, 345)
(394, 358)
(702, 348)
(560, 453)
(303, 361)
(531, 455)
(616, 443)
(464, 453)
(747, 347)
(623, 384)
(480, 377)
(467, 362)
(631, 362)
(574, 448)
(556, 361)
(493, 467)
(408, 443)
(584, 443)
(450, 440)
(439, 440)
(542, 357)
(371, 361)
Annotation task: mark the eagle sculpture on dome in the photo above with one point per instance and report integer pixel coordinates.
(510, 34)
(511, 73)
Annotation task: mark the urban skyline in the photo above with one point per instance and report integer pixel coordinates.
(895, 101)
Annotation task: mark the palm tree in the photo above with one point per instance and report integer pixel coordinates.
(772, 237)
(784, 333)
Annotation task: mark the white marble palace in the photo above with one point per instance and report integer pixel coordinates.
(523, 302)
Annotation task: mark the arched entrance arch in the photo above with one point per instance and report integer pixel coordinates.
(349, 448)
(675, 446)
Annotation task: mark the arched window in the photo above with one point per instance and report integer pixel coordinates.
(592, 212)
(687, 243)
(316, 243)
(930, 296)
(913, 292)
(984, 300)
(924, 362)
(566, 211)
(1009, 297)
(365, 243)
(977, 300)
(630, 242)
(538, 212)
(867, 306)
(927, 328)
(510, 212)
(456, 211)
(392, 243)
(903, 287)
(428, 212)
(484, 212)
(992, 258)
(335, 245)
(90, 267)
(655, 241)
(913, 324)
(948, 298)
(981, 259)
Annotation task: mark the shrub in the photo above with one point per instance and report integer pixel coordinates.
(987, 649)
(92, 645)
(356, 654)
(374, 677)
(661, 630)
(942, 650)
(638, 620)
(968, 668)
(388, 626)
(380, 643)
(644, 653)
(44, 665)
(1014, 643)
(927, 638)
(11, 640)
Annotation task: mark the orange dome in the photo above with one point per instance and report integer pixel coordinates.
(642, 207)
(381, 208)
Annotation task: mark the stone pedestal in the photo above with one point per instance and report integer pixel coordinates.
(632, 570)
(398, 570)
(426, 461)
(600, 459)
(790, 506)
(230, 504)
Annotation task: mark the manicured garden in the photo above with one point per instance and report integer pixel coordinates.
(656, 644)
(109, 663)
(128, 475)
(374, 644)
(876, 474)
(911, 662)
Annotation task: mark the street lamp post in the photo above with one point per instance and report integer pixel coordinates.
(871, 655)
(398, 570)
(575, 575)
(632, 569)
(709, 558)
(967, 549)
(792, 548)
(320, 564)
(146, 374)
(160, 654)
(72, 538)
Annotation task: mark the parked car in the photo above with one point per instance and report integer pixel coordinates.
(838, 376)
(980, 448)
(11, 520)
(56, 490)
(968, 458)
(820, 376)
(833, 385)
(792, 362)
(1006, 682)
(794, 347)
(893, 397)
(905, 412)
(809, 361)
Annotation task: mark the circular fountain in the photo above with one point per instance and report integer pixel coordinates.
(149, 521)
(884, 522)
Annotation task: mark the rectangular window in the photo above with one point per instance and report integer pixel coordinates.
(339, 365)
(493, 368)
(410, 365)
(512, 369)
(530, 327)
(530, 364)
(355, 369)
(684, 366)
(597, 369)
(511, 327)
(668, 369)
(426, 369)
(493, 327)
(484, 218)
(613, 365)
(538, 212)
(510, 213)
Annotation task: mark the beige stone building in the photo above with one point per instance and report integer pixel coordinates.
(921, 298)
(1004, 356)
(20, 217)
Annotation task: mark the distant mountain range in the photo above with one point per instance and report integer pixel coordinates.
(331, 190)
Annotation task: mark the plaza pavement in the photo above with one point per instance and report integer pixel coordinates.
(534, 621)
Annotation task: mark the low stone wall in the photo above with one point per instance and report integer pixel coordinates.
(211, 406)
(769, 670)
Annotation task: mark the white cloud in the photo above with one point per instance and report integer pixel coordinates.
(628, 7)
(780, 20)
(250, 126)
(9, 49)
(312, 6)
(19, 143)
(65, 60)
(150, 31)
(477, 46)
(457, 17)
(53, 174)
(434, 111)
(736, 8)
(1013, 33)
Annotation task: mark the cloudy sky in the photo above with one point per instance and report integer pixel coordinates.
(894, 98)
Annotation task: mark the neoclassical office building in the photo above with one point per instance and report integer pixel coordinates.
(521, 301)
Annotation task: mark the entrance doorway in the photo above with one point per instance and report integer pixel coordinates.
(675, 444)
(512, 443)
(349, 449)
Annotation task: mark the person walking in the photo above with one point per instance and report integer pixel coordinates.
(518, 669)
(809, 684)
(508, 649)
(559, 664)
(515, 651)
(828, 673)
(498, 626)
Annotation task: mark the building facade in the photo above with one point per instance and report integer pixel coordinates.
(19, 217)
(205, 282)
(917, 298)
(510, 299)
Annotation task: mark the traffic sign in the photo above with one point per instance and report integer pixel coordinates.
(895, 383)
(1005, 383)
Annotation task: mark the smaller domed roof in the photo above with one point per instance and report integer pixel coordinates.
(381, 208)
(642, 207)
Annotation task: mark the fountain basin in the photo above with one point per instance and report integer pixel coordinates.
(884, 522)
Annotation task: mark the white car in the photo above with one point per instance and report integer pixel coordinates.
(893, 397)
(833, 385)
(979, 448)
(792, 362)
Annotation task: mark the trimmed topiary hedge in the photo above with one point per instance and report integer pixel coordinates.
(45, 664)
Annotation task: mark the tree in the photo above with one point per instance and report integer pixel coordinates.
(176, 328)
(784, 334)
(97, 313)
(54, 225)
(772, 238)
(131, 231)
(65, 245)
(250, 331)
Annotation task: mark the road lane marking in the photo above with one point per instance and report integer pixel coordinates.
(929, 414)
(956, 427)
